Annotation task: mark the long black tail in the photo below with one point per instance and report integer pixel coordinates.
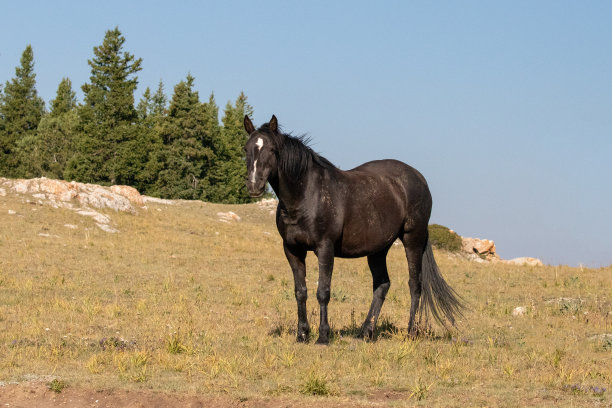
(437, 297)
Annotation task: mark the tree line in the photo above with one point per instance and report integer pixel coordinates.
(173, 148)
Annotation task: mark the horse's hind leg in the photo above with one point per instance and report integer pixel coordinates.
(414, 245)
(380, 286)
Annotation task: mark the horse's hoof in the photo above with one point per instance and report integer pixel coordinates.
(366, 334)
(322, 340)
(302, 338)
(365, 337)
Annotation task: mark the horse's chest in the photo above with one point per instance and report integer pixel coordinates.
(296, 234)
(296, 231)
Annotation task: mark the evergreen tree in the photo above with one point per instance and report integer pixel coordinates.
(1, 132)
(152, 107)
(188, 150)
(110, 95)
(156, 114)
(151, 113)
(65, 99)
(211, 120)
(227, 177)
(46, 152)
(20, 112)
(144, 106)
(107, 118)
(159, 101)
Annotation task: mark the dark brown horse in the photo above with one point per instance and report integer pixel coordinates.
(349, 214)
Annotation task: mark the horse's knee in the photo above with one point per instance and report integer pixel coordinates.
(301, 294)
(323, 295)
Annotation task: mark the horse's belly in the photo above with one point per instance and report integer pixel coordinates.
(365, 240)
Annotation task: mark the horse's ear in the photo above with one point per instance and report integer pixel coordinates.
(248, 125)
(273, 124)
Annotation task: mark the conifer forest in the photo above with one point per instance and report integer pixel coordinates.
(166, 147)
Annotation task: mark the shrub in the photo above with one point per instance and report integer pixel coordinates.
(443, 238)
(56, 385)
(315, 384)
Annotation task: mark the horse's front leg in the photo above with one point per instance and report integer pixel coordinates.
(325, 254)
(297, 261)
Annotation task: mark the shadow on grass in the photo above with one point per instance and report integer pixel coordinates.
(385, 330)
(282, 328)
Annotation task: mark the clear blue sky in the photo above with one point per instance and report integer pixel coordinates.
(505, 107)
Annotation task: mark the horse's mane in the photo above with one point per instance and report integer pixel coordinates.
(294, 153)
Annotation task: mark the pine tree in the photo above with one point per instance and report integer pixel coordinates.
(65, 98)
(159, 101)
(156, 115)
(107, 118)
(144, 106)
(152, 107)
(49, 150)
(151, 113)
(211, 119)
(227, 177)
(188, 150)
(20, 112)
(110, 95)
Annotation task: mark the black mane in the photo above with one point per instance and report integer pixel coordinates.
(295, 154)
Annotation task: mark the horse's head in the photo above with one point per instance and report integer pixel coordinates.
(261, 155)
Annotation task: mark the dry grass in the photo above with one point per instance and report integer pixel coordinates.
(178, 301)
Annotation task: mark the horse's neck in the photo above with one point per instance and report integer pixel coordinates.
(292, 193)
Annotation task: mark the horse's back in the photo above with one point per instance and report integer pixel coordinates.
(392, 168)
(384, 198)
(406, 177)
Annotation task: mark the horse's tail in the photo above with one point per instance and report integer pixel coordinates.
(437, 297)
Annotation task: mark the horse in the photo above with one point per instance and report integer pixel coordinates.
(348, 214)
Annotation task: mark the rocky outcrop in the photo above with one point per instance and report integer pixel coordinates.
(60, 193)
(482, 247)
(484, 250)
(130, 193)
(82, 198)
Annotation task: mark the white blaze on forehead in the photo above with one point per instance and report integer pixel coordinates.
(259, 145)
(254, 171)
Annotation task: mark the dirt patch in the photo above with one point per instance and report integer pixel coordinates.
(37, 394)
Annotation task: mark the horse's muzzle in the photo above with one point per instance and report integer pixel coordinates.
(255, 190)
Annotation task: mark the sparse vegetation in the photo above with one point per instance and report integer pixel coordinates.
(419, 390)
(56, 385)
(180, 302)
(315, 383)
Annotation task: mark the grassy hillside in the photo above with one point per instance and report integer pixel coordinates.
(178, 301)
